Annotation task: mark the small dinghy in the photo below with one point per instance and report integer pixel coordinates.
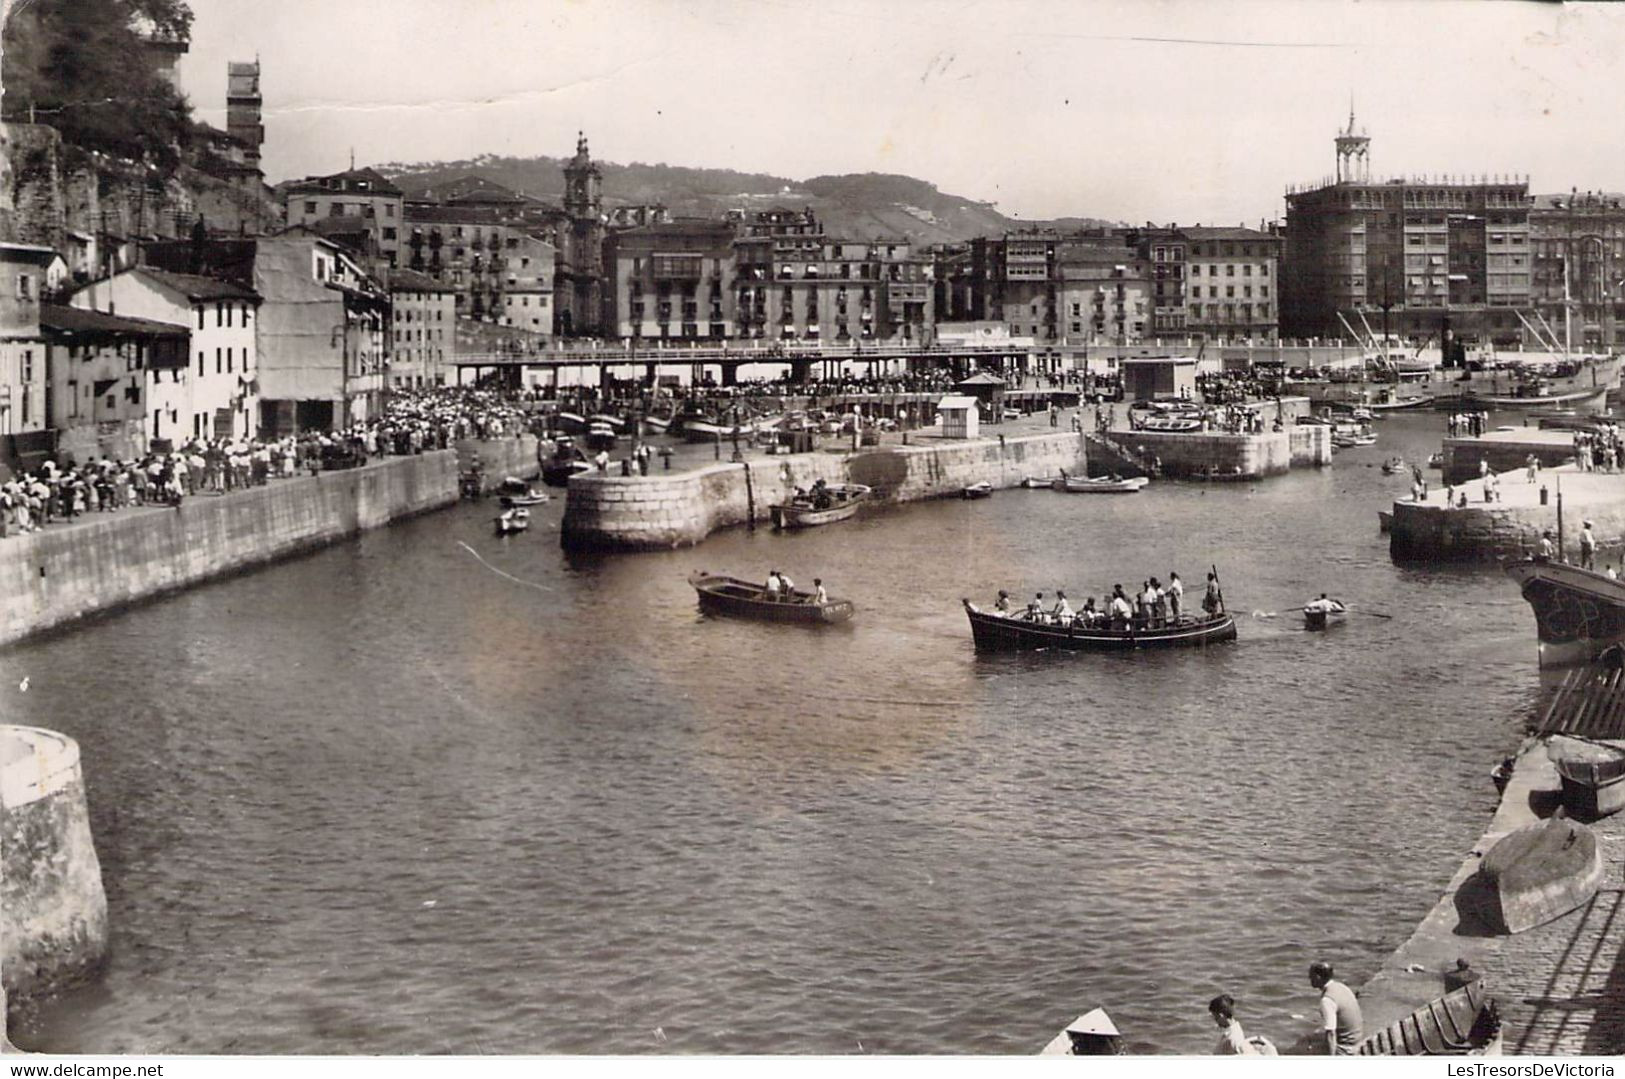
(1324, 613)
(1092, 1034)
(511, 520)
(1535, 874)
(1593, 778)
(1106, 485)
(1464, 1022)
(978, 490)
(1033, 483)
(514, 491)
(1393, 466)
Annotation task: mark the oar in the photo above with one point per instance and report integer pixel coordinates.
(1370, 614)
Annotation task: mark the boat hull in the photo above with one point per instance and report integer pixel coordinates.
(1074, 486)
(795, 515)
(1538, 873)
(1592, 789)
(1321, 620)
(997, 633)
(1578, 613)
(734, 598)
(1464, 1022)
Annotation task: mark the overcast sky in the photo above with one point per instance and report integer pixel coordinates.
(1199, 111)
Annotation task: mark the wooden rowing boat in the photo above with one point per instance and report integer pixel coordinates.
(511, 520)
(1076, 485)
(844, 500)
(1593, 783)
(1000, 633)
(1323, 616)
(1535, 874)
(742, 599)
(1464, 1022)
(977, 490)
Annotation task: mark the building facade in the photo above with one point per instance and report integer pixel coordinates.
(1577, 266)
(102, 371)
(422, 331)
(1104, 295)
(216, 396)
(1232, 283)
(357, 193)
(814, 288)
(23, 270)
(670, 281)
(1433, 259)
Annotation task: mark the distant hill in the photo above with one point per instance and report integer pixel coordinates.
(856, 205)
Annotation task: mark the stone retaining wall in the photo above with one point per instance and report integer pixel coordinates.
(630, 513)
(1216, 456)
(53, 912)
(1487, 532)
(63, 573)
(1464, 457)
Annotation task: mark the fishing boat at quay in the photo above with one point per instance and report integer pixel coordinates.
(1578, 612)
(743, 599)
(993, 632)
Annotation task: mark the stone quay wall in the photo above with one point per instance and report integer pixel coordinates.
(634, 513)
(500, 457)
(53, 912)
(1215, 456)
(1463, 457)
(1489, 532)
(54, 576)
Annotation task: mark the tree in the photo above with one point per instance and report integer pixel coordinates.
(89, 69)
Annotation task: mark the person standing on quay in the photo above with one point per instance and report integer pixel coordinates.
(1588, 547)
(1339, 1011)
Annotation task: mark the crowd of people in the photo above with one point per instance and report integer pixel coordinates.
(1467, 424)
(61, 489)
(1153, 606)
(1600, 450)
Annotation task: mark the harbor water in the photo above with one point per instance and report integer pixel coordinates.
(432, 791)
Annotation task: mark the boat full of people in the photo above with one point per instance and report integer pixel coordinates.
(822, 504)
(1154, 618)
(777, 600)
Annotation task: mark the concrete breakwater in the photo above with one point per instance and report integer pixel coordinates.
(1218, 456)
(53, 912)
(636, 513)
(65, 572)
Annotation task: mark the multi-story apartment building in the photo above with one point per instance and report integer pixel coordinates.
(22, 348)
(500, 268)
(529, 265)
(673, 280)
(1430, 257)
(810, 287)
(1163, 250)
(1231, 283)
(1577, 265)
(422, 331)
(1104, 294)
(216, 395)
(358, 193)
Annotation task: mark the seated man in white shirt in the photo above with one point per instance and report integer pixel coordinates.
(1061, 613)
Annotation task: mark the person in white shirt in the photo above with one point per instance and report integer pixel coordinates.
(1232, 1039)
(787, 587)
(1062, 611)
(1120, 610)
(1176, 595)
(820, 597)
(1002, 604)
(773, 584)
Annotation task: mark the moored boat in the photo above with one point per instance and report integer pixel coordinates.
(1035, 482)
(1463, 1022)
(993, 632)
(1393, 466)
(977, 490)
(1593, 778)
(842, 502)
(742, 599)
(1578, 613)
(566, 461)
(1105, 485)
(514, 491)
(1323, 613)
(1535, 874)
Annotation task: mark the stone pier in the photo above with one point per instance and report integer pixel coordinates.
(53, 913)
(1480, 531)
(1210, 455)
(637, 513)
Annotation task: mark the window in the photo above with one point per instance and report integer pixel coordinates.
(25, 286)
(28, 365)
(218, 360)
(200, 316)
(199, 366)
(219, 315)
(310, 206)
(1247, 270)
(228, 361)
(1229, 269)
(1196, 270)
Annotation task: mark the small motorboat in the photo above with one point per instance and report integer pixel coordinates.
(1533, 875)
(1593, 777)
(1105, 485)
(511, 520)
(977, 490)
(1092, 1034)
(516, 492)
(1323, 613)
(1463, 1022)
(742, 599)
(836, 502)
(1393, 466)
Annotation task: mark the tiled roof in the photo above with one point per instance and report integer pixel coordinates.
(403, 280)
(54, 316)
(1199, 232)
(195, 287)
